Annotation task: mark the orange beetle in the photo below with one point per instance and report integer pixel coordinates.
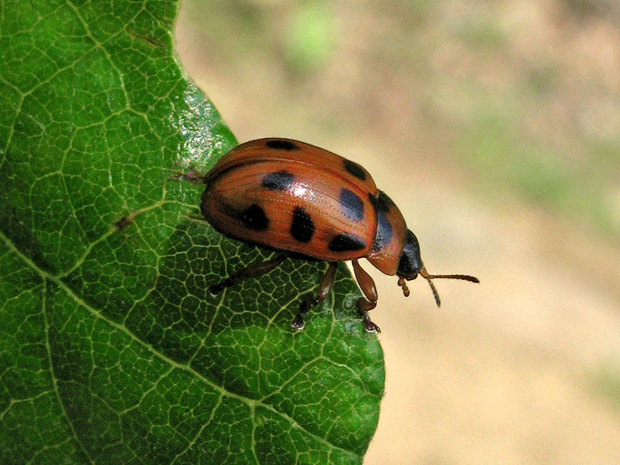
(305, 202)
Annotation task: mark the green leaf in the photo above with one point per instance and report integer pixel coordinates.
(111, 348)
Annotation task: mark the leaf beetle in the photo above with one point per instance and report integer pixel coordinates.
(305, 202)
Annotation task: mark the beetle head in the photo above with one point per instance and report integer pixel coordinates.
(410, 262)
(410, 266)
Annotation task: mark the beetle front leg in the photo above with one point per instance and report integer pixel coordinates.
(252, 271)
(323, 291)
(364, 305)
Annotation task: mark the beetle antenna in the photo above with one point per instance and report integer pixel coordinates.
(430, 277)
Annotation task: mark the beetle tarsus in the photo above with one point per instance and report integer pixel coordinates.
(298, 322)
(217, 288)
(369, 326)
(322, 292)
(304, 308)
(363, 307)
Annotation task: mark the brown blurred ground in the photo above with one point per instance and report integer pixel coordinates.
(495, 126)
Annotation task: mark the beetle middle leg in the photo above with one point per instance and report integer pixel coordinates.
(364, 305)
(252, 271)
(324, 288)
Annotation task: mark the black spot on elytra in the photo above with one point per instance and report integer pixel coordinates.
(384, 203)
(352, 206)
(254, 218)
(346, 242)
(355, 169)
(302, 227)
(282, 144)
(384, 232)
(278, 181)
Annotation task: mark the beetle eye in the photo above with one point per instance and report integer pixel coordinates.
(410, 262)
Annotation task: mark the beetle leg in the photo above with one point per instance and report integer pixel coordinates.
(367, 285)
(323, 291)
(252, 271)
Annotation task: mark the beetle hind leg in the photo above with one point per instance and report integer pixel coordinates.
(254, 270)
(309, 301)
(364, 305)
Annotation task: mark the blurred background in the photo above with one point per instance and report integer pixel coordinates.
(495, 127)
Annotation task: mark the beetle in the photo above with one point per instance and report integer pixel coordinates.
(304, 202)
